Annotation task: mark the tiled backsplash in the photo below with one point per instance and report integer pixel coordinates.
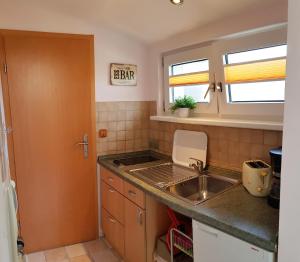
(129, 129)
(227, 147)
(127, 124)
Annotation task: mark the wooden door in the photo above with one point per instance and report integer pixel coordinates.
(135, 233)
(51, 93)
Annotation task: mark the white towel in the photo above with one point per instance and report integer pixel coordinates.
(12, 210)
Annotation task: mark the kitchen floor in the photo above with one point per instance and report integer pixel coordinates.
(93, 251)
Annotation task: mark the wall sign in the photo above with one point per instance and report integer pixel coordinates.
(123, 75)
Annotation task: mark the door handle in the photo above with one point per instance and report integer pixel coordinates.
(82, 143)
(85, 144)
(209, 232)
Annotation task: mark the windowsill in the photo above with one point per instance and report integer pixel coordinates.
(253, 124)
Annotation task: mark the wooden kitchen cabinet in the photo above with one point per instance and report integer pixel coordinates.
(131, 220)
(135, 195)
(113, 202)
(114, 232)
(135, 233)
(113, 180)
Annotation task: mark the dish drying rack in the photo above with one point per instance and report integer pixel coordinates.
(180, 241)
(164, 175)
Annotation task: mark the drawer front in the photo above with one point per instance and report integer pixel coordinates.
(135, 195)
(112, 180)
(112, 201)
(113, 231)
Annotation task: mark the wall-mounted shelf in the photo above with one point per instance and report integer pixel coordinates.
(253, 124)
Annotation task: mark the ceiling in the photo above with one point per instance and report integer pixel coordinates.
(153, 20)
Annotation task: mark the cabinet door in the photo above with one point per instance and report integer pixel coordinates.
(135, 235)
(113, 231)
(211, 245)
(206, 244)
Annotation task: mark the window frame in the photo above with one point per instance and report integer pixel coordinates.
(195, 54)
(256, 110)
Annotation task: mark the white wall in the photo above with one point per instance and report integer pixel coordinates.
(110, 46)
(247, 21)
(289, 228)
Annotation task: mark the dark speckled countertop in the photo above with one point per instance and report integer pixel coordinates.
(235, 211)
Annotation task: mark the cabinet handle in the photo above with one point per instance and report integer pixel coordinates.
(110, 179)
(140, 217)
(209, 232)
(131, 193)
(111, 190)
(112, 220)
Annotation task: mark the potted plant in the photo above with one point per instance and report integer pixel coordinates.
(182, 106)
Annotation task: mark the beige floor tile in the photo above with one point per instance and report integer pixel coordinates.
(104, 256)
(95, 246)
(83, 258)
(75, 250)
(56, 255)
(36, 257)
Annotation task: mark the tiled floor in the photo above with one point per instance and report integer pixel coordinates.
(93, 251)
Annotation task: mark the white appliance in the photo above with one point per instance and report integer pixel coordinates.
(257, 177)
(212, 245)
(8, 201)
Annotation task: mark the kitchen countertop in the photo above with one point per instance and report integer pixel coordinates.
(235, 211)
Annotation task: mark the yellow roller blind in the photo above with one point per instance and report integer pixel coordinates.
(198, 78)
(255, 72)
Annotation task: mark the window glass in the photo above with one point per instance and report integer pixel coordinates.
(190, 79)
(190, 67)
(256, 75)
(257, 92)
(197, 92)
(255, 55)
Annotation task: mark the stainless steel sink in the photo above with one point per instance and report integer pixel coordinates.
(201, 188)
(184, 183)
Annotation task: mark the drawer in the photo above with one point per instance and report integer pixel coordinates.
(112, 180)
(112, 201)
(135, 195)
(113, 231)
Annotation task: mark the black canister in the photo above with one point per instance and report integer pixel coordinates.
(274, 197)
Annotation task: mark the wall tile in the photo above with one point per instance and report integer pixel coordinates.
(120, 125)
(271, 138)
(129, 129)
(227, 147)
(121, 135)
(127, 124)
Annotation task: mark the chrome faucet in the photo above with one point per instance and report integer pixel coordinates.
(197, 164)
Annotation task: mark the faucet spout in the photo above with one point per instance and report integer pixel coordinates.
(197, 164)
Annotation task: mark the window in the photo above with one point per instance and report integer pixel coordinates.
(256, 75)
(189, 78)
(242, 75)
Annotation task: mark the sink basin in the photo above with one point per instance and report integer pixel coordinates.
(201, 188)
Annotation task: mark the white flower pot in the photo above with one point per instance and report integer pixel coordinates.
(183, 112)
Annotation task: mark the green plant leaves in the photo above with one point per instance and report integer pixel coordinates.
(185, 102)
